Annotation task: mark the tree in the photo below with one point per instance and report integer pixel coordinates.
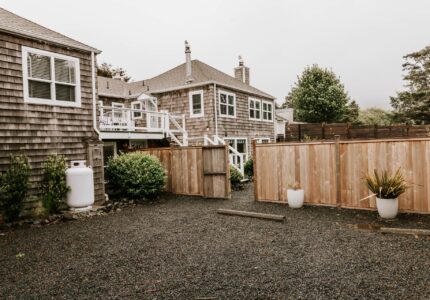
(106, 70)
(413, 105)
(375, 116)
(319, 96)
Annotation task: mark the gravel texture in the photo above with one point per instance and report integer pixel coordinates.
(180, 248)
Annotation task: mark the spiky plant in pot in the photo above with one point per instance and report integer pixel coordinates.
(387, 188)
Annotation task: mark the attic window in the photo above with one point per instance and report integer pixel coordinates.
(50, 78)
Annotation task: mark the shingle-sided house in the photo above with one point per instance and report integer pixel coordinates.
(199, 103)
(47, 97)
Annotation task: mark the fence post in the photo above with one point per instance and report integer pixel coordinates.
(375, 131)
(337, 169)
(323, 131)
(254, 168)
(300, 131)
(348, 130)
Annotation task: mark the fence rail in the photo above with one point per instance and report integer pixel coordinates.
(331, 173)
(346, 131)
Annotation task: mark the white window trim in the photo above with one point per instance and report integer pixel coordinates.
(219, 104)
(132, 104)
(260, 140)
(115, 150)
(249, 108)
(262, 111)
(53, 101)
(190, 100)
(118, 105)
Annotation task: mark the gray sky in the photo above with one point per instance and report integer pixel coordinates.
(363, 41)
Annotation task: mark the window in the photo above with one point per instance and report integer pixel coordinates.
(136, 105)
(267, 111)
(118, 114)
(262, 140)
(241, 146)
(50, 78)
(196, 104)
(227, 104)
(254, 109)
(109, 151)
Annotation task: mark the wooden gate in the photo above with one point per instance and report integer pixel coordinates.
(198, 171)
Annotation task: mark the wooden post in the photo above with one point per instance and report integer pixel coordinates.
(375, 131)
(323, 131)
(300, 132)
(348, 130)
(337, 169)
(254, 167)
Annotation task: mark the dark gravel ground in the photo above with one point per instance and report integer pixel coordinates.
(181, 249)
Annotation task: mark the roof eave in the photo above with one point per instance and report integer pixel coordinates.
(41, 38)
(181, 87)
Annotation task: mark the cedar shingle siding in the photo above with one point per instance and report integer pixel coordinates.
(40, 130)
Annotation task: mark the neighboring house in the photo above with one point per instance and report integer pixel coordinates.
(47, 98)
(283, 116)
(191, 103)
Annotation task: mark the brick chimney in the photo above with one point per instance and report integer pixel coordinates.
(188, 70)
(242, 72)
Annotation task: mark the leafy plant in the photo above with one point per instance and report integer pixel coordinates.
(53, 185)
(249, 168)
(235, 178)
(14, 186)
(294, 186)
(385, 185)
(136, 175)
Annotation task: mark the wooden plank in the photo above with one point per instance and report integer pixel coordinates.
(251, 214)
(412, 231)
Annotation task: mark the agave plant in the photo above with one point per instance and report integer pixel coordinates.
(386, 185)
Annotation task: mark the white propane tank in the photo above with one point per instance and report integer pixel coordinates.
(80, 179)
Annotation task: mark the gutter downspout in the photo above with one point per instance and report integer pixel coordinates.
(93, 83)
(215, 110)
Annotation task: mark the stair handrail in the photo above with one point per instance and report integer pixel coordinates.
(239, 166)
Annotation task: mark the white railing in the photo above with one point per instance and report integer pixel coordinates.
(237, 159)
(142, 121)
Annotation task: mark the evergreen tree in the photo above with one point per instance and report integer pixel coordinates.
(106, 70)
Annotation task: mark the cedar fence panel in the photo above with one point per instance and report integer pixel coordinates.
(332, 172)
(197, 171)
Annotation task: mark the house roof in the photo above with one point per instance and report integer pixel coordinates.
(174, 79)
(12, 23)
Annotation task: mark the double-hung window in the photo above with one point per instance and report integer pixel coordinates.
(136, 107)
(50, 78)
(254, 109)
(227, 104)
(267, 111)
(196, 104)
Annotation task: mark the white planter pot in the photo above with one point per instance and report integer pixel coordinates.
(387, 208)
(295, 198)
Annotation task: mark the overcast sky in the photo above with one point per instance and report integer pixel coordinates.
(363, 41)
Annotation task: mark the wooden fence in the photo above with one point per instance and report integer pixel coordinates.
(200, 171)
(346, 131)
(331, 173)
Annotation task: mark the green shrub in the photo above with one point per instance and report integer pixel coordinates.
(14, 186)
(53, 186)
(136, 175)
(249, 168)
(235, 178)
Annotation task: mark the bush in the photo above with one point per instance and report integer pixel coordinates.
(249, 168)
(53, 185)
(14, 186)
(235, 178)
(136, 175)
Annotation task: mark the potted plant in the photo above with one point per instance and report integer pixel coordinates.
(387, 188)
(295, 195)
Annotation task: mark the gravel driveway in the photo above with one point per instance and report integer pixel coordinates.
(180, 248)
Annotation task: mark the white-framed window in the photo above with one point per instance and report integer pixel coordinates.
(254, 109)
(196, 104)
(136, 114)
(267, 111)
(240, 144)
(50, 78)
(227, 104)
(117, 113)
(262, 140)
